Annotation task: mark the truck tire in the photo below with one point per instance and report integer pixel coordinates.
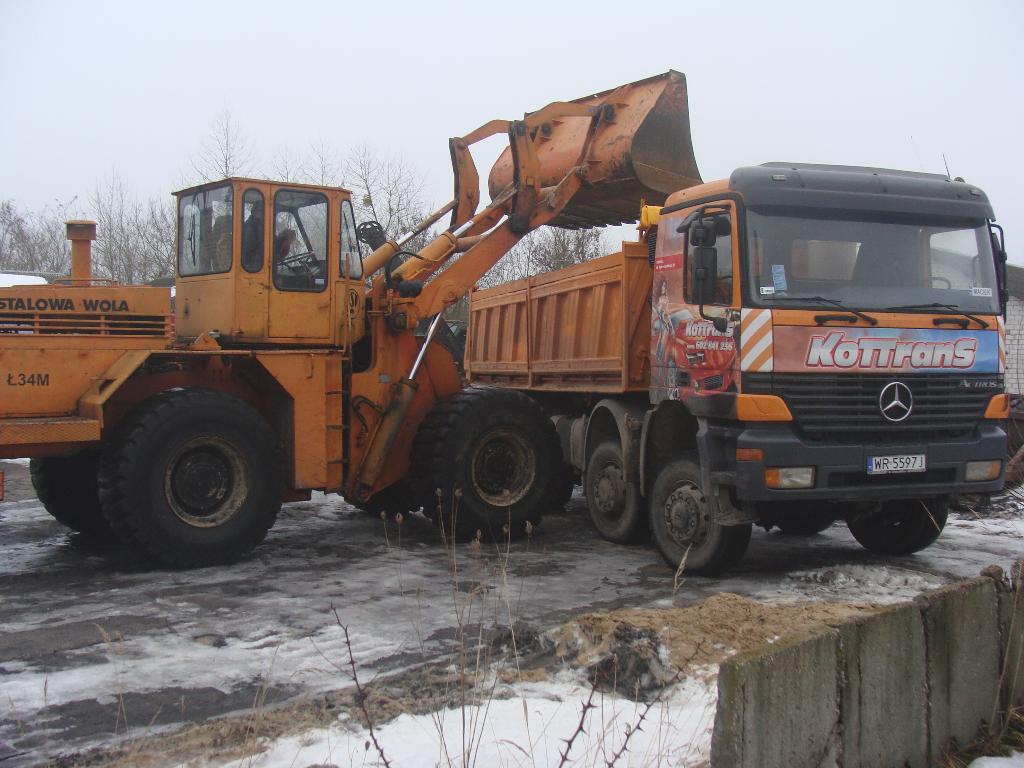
(614, 514)
(797, 518)
(67, 487)
(193, 478)
(483, 461)
(900, 526)
(681, 526)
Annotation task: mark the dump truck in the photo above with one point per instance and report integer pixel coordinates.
(791, 346)
(291, 361)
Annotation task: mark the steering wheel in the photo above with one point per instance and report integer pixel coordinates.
(946, 280)
(303, 263)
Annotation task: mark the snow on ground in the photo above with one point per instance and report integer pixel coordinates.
(528, 728)
(216, 635)
(1015, 761)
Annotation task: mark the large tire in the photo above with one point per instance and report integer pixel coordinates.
(615, 515)
(900, 526)
(483, 460)
(681, 525)
(193, 478)
(67, 487)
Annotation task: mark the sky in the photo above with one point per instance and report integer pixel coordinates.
(93, 89)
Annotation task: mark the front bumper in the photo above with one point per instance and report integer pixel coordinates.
(840, 468)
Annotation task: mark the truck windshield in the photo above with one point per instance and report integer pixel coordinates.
(871, 263)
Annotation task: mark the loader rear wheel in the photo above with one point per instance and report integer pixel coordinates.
(900, 526)
(615, 508)
(194, 478)
(681, 524)
(484, 462)
(67, 487)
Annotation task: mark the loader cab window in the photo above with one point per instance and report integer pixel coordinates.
(253, 230)
(300, 241)
(723, 281)
(351, 267)
(204, 232)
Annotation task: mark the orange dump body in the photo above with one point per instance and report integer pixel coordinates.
(648, 155)
(584, 328)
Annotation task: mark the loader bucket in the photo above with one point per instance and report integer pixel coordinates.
(643, 152)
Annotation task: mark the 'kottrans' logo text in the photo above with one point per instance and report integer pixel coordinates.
(837, 351)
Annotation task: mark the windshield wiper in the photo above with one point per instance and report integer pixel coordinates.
(939, 305)
(833, 302)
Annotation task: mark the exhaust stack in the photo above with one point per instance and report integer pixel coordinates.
(81, 234)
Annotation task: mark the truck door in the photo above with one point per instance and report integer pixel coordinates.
(690, 357)
(300, 302)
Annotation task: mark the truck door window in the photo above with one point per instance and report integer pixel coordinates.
(351, 267)
(954, 259)
(723, 281)
(300, 240)
(204, 232)
(252, 230)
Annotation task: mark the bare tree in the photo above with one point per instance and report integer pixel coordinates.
(544, 250)
(225, 152)
(387, 191)
(34, 242)
(134, 238)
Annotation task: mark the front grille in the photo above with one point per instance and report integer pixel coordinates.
(864, 480)
(832, 406)
(112, 324)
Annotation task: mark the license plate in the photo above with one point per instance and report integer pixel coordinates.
(888, 465)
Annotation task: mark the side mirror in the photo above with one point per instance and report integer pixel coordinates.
(703, 232)
(705, 273)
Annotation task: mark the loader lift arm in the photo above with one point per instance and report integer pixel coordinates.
(606, 144)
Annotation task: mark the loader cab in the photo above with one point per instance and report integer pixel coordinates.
(262, 262)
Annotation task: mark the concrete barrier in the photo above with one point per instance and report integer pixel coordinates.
(891, 688)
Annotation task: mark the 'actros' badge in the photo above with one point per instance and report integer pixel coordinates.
(895, 401)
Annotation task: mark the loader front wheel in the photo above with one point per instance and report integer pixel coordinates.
(67, 487)
(193, 479)
(484, 460)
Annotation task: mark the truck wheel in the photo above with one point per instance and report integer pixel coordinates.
(194, 478)
(796, 518)
(66, 485)
(900, 526)
(681, 525)
(615, 516)
(484, 460)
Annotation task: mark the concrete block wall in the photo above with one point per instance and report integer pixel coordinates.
(890, 688)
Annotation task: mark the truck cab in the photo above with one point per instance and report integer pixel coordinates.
(262, 262)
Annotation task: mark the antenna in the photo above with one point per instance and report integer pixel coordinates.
(946, 163)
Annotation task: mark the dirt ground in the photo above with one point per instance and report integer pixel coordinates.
(100, 651)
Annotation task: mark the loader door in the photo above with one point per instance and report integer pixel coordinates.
(300, 302)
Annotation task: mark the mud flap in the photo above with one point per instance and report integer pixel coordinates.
(724, 510)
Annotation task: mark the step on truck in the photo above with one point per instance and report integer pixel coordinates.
(791, 346)
(292, 362)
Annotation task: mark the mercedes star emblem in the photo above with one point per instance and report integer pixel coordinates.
(895, 401)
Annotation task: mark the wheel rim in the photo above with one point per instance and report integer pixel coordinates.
(205, 482)
(609, 492)
(503, 467)
(686, 517)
